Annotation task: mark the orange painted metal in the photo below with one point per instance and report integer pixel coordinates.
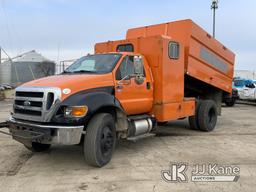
(75, 83)
(173, 111)
(194, 38)
(167, 75)
(201, 57)
(134, 98)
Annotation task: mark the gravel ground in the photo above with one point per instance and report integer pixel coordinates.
(137, 166)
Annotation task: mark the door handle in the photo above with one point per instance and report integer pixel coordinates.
(148, 85)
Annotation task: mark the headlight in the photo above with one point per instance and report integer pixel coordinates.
(76, 111)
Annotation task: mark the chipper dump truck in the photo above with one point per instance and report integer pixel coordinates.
(157, 74)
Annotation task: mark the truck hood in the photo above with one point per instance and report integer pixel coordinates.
(74, 82)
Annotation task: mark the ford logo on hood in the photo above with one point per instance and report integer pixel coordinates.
(27, 103)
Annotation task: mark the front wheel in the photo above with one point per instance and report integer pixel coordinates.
(100, 139)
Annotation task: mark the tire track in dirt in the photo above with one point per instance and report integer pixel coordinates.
(18, 164)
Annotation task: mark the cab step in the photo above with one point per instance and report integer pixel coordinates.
(139, 137)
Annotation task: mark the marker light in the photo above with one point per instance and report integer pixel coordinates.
(76, 111)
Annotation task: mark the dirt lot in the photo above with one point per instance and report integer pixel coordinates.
(137, 166)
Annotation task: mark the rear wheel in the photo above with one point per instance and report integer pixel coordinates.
(193, 120)
(207, 115)
(230, 103)
(100, 139)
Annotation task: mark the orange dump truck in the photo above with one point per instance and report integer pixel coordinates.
(157, 74)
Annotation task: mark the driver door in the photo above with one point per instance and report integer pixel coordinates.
(133, 85)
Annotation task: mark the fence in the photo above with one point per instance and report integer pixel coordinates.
(63, 65)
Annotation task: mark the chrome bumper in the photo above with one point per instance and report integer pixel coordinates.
(26, 132)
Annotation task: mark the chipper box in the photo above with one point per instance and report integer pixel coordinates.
(157, 74)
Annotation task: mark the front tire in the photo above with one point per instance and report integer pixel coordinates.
(100, 139)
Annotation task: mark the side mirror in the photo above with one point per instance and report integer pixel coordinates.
(138, 70)
(251, 86)
(139, 79)
(138, 66)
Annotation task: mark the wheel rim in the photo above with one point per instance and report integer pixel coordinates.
(107, 140)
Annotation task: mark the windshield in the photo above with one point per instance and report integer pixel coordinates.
(239, 83)
(100, 63)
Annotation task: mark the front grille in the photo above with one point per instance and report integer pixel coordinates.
(34, 103)
(28, 112)
(29, 94)
(29, 103)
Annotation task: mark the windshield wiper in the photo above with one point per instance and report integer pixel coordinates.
(80, 71)
(66, 71)
(83, 71)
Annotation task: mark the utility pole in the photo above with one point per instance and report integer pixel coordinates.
(0, 55)
(214, 6)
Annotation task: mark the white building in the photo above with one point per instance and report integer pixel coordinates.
(246, 74)
(25, 67)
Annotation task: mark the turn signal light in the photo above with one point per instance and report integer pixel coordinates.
(76, 111)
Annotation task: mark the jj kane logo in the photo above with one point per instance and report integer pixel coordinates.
(201, 173)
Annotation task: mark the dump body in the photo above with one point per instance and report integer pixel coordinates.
(206, 59)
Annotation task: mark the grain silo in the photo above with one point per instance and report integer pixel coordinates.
(5, 73)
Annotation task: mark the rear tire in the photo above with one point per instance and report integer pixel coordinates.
(100, 139)
(230, 103)
(193, 120)
(207, 115)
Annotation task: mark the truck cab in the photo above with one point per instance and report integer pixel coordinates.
(131, 77)
(57, 109)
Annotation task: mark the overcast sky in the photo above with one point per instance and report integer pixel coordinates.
(74, 26)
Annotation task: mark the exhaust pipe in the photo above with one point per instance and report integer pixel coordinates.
(140, 127)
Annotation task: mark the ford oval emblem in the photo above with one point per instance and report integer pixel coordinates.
(66, 91)
(27, 103)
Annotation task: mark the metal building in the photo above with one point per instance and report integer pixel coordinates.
(246, 74)
(25, 67)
